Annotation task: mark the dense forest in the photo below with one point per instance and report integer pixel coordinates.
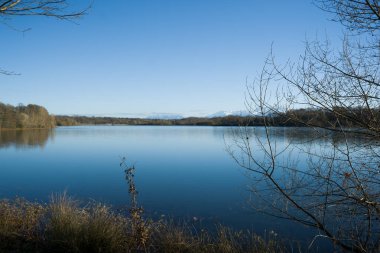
(30, 116)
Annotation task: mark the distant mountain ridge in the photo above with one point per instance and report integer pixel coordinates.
(169, 116)
(164, 116)
(228, 113)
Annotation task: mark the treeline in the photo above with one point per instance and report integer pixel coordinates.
(35, 116)
(192, 121)
(337, 117)
(20, 117)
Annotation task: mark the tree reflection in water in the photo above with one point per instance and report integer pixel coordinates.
(25, 138)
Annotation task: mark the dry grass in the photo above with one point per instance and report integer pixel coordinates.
(94, 228)
(171, 238)
(65, 226)
(20, 224)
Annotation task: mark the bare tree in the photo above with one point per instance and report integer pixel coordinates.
(50, 8)
(332, 183)
(60, 9)
(356, 15)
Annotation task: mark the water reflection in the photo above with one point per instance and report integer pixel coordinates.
(300, 135)
(182, 172)
(326, 180)
(30, 138)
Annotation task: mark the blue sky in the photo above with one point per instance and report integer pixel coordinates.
(187, 57)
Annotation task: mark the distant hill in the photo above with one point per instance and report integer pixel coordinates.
(164, 116)
(228, 113)
(21, 117)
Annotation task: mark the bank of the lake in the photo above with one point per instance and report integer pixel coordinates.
(63, 226)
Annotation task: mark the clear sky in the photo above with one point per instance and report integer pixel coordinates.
(188, 57)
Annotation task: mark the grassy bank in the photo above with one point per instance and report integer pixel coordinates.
(62, 225)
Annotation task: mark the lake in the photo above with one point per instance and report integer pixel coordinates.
(184, 173)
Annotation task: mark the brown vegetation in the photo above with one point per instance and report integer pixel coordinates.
(64, 226)
(30, 116)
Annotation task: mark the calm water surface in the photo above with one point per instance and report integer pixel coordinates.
(181, 172)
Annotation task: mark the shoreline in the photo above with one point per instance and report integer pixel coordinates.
(61, 225)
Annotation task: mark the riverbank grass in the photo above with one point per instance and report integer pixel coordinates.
(63, 225)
